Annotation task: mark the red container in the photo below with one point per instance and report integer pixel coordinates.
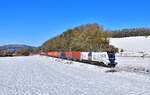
(76, 55)
(43, 53)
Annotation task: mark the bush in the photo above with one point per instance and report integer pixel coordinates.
(23, 52)
(6, 53)
(36, 50)
(111, 71)
(1, 53)
(121, 50)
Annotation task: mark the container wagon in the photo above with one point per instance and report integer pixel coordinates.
(98, 58)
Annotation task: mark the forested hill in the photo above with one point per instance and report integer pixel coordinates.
(89, 37)
(83, 38)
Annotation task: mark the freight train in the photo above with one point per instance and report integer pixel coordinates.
(99, 58)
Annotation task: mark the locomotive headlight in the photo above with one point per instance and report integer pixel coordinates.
(107, 61)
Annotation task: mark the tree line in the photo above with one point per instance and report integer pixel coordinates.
(19, 52)
(130, 32)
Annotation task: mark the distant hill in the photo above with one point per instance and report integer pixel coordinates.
(15, 47)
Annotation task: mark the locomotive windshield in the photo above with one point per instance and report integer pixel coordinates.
(111, 55)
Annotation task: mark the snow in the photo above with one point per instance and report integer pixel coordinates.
(40, 75)
(134, 64)
(136, 44)
(132, 54)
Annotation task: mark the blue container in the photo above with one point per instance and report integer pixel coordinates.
(63, 55)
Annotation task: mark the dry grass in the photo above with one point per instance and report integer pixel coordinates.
(69, 62)
(147, 70)
(111, 71)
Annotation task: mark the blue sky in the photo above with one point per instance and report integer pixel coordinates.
(32, 22)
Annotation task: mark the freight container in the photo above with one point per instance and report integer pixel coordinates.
(63, 55)
(58, 54)
(69, 55)
(76, 55)
(49, 53)
(43, 53)
(84, 56)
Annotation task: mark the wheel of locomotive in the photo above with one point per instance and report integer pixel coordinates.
(102, 64)
(112, 65)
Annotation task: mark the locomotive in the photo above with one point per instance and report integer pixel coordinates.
(98, 58)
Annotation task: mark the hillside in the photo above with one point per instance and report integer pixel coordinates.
(15, 46)
(94, 37)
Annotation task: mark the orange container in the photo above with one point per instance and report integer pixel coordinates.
(56, 54)
(49, 53)
(73, 55)
(53, 53)
(68, 54)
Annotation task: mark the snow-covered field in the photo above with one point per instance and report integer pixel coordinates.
(133, 64)
(136, 55)
(40, 75)
(132, 46)
(137, 44)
